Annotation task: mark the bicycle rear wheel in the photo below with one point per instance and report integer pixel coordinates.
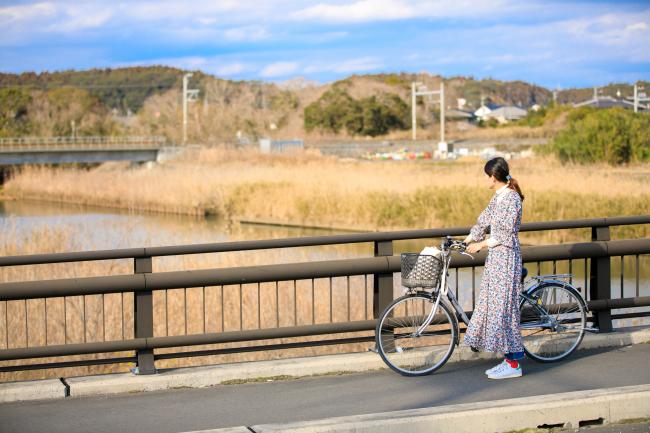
(405, 350)
(553, 318)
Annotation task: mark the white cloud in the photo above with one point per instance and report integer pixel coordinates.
(230, 69)
(246, 33)
(279, 69)
(361, 64)
(80, 17)
(388, 10)
(364, 10)
(26, 12)
(358, 65)
(613, 29)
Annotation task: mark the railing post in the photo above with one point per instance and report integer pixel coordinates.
(383, 283)
(600, 286)
(143, 318)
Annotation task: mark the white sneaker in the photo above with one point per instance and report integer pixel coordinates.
(506, 372)
(495, 368)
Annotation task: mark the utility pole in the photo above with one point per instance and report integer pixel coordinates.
(413, 120)
(639, 96)
(189, 95)
(442, 111)
(418, 89)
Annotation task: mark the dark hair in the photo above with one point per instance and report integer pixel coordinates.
(498, 167)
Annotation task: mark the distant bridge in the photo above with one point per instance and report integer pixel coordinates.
(88, 149)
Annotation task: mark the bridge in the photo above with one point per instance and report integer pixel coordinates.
(81, 149)
(285, 309)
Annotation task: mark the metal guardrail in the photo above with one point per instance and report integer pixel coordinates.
(13, 144)
(380, 267)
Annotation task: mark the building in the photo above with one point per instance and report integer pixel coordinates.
(484, 110)
(605, 102)
(506, 113)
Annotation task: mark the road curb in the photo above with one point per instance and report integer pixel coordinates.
(201, 377)
(570, 410)
(32, 390)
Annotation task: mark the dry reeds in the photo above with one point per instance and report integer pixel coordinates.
(312, 190)
(79, 319)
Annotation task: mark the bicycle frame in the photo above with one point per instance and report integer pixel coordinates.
(525, 294)
(444, 291)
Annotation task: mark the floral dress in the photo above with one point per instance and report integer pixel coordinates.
(494, 326)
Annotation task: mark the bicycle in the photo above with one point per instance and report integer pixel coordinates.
(416, 333)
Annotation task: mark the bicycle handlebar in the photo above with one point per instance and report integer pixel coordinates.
(456, 245)
(453, 244)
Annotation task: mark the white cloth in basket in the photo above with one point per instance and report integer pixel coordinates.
(431, 251)
(426, 251)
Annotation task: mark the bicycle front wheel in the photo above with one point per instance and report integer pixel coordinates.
(553, 318)
(406, 345)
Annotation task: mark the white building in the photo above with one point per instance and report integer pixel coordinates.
(484, 110)
(506, 114)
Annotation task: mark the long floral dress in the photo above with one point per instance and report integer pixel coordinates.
(494, 326)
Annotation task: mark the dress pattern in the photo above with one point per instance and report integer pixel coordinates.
(494, 326)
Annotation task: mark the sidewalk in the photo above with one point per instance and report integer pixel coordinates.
(567, 410)
(201, 377)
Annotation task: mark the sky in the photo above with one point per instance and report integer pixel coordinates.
(556, 44)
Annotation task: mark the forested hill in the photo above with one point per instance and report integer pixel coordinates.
(146, 100)
(123, 89)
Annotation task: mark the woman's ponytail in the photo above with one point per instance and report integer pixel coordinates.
(514, 185)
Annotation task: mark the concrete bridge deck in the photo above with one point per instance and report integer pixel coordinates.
(282, 401)
(62, 150)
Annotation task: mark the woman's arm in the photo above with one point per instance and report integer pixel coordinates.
(477, 232)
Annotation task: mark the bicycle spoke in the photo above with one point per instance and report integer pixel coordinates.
(562, 316)
(406, 351)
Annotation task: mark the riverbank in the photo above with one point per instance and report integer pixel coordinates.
(312, 190)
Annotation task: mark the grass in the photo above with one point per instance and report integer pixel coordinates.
(313, 190)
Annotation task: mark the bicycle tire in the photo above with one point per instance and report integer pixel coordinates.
(556, 335)
(415, 355)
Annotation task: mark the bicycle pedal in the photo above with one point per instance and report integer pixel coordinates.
(592, 330)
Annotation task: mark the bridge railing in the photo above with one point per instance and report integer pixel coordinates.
(81, 142)
(367, 281)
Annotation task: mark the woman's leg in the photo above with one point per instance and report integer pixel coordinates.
(513, 358)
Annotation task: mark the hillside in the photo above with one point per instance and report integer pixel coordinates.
(146, 100)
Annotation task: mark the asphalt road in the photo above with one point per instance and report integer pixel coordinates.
(321, 397)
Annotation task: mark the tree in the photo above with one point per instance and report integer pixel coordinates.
(615, 135)
(14, 110)
(375, 115)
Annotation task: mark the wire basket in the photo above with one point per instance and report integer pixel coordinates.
(420, 270)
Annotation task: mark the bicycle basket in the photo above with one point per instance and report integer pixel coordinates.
(420, 270)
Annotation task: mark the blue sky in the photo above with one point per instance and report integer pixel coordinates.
(557, 44)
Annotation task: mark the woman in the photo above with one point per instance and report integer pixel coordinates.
(495, 322)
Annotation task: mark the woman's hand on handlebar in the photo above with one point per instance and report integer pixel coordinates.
(475, 247)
